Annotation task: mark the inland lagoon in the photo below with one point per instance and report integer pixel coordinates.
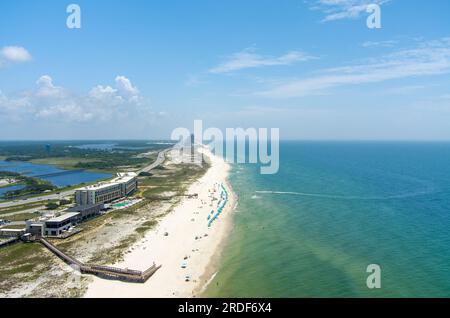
(58, 177)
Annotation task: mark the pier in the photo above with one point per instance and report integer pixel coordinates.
(105, 272)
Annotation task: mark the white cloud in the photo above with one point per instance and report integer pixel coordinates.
(49, 101)
(370, 44)
(343, 9)
(45, 88)
(430, 58)
(249, 59)
(15, 54)
(124, 85)
(68, 110)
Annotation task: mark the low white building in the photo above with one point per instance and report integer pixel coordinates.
(103, 192)
(53, 226)
(57, 225)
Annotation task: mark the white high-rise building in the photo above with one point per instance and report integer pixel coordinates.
(104, 192)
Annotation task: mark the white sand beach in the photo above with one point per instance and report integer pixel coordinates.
(188, 235)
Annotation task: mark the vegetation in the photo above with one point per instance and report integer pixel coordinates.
(146, 226)
(64, 202)
(13, 227)
(32, 185)
(21, 217)
(22, 207)
(81, 155)
(52, 206)
(173, 181)
(7, 174)
(109, 163)
(23, 264)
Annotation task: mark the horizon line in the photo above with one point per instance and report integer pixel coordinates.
(281, 140)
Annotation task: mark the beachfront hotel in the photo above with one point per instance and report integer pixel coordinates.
(104, 192)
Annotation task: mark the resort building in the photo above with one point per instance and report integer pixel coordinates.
(53, 226)
(104, 192)
(35, 228)
(87, 211)
(57, 225)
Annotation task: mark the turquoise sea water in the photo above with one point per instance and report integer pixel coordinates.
(333, 209)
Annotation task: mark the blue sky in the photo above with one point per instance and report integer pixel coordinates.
(139, 69)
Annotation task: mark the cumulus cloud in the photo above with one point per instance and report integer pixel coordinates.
(249, 59)
(46, 88)
(430, 58)
(14, 54)
(125, 86)
(49, 101)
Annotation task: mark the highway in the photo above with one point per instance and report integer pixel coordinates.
(47, 197)
(58, 196)
(159, 160)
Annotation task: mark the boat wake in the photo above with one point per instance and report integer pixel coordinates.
(345, 197)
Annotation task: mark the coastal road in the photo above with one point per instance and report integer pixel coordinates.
(159, 160)
(42, 198)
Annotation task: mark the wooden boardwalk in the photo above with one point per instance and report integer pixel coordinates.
(106, 272)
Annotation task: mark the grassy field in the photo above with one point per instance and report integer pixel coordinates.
(13, 227)
(20, 263)
(170, 180)
(23, 207)
(65, 163)
(69, 155)
(28, 264)
(21, 217)
(88, 164)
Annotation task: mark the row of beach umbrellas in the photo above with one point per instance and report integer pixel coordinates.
(221, 204)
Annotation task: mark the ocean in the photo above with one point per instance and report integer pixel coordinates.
(334, 208)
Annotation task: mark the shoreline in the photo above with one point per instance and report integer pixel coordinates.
(188, 235)
(214, 263)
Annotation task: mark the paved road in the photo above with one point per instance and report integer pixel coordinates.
(159, 160)
(37, 208)
(36, 199)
